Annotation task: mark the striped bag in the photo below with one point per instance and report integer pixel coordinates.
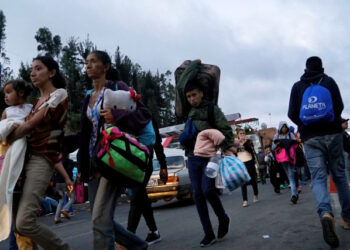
(234, 172)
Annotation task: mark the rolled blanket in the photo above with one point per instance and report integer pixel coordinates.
(207, 142)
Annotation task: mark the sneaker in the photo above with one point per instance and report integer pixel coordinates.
(277, 190)
(224, 226)
(282, 186)
(255, 199)
(208, 240)
(294, 199)
(345, 224)
(299, 189)
(245, 203)
(329, 234)
(153, 237)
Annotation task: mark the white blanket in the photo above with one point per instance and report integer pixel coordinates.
(11, 170)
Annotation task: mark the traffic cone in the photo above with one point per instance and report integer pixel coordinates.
(331, 187)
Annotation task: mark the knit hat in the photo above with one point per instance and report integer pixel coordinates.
(314, 63)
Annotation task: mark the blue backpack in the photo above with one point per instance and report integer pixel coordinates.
(190, 132)
(316, 105)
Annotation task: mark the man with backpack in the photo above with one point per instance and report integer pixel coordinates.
(315, 106)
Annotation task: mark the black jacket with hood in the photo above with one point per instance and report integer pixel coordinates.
(317, 129)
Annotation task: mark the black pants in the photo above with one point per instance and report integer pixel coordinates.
(140, 205)
(262, 173)
(276, 173)
(250, 165)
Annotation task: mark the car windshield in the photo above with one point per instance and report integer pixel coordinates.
(172, 162)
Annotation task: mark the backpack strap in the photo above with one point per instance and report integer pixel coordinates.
(211, 116)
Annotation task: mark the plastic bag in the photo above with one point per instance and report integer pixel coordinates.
(234, 172)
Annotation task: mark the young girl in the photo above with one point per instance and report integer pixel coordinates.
(16, 93)
(246, 154)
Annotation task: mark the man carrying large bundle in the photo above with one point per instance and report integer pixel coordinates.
(196, 103)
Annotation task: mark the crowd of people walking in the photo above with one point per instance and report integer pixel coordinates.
(318, 148)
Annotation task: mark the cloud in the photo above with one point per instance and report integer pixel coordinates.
(260, 46)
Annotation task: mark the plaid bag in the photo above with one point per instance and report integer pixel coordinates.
(234, 172)
(121, 158)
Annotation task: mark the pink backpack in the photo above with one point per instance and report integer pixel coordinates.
(282, 156)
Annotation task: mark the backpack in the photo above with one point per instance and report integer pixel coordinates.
(316, 105)
(208, 76)
(190, 130)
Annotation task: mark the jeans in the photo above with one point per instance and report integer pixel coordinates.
(323, 154)
(105, 229)
(12, 240)
(250, 165)
(62, 189)
(290, 171)
(48, 203)
(204, 189)
(38, 172)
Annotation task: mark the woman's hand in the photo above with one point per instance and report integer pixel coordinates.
(107, 114)
(69, 184)
(228, 153)
(163, 174)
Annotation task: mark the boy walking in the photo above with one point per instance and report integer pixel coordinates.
(315, 106)
(204, 187)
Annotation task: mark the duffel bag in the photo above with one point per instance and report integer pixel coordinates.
(121, 158)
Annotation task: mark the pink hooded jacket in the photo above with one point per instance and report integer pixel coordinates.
(207, 142)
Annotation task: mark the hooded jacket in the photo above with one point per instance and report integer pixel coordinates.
(298, 89)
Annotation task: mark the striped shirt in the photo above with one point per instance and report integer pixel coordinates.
(47, 138)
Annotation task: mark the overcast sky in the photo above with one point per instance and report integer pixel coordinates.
(260, 46)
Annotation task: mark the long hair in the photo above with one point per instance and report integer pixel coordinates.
(58, 80)
(111, 74)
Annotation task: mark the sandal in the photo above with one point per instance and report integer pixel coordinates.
(65, 214)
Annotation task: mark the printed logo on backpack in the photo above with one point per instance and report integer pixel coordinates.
(316, 105)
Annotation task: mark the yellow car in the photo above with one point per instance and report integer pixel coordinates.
(178, 185)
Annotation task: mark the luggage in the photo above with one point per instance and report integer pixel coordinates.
(234, 172)
(208, 76)
(121, 158)
(79, 193)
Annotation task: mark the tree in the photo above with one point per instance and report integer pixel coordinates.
(24, 72)
(72, 71)
(6, 72)
(50, 45)
(84, 49)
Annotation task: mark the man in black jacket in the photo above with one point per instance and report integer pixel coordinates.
(323, 143)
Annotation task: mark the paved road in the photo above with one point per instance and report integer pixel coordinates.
(285, 226)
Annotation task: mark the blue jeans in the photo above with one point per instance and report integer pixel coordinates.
(48, 203)
(290, 171)
(105, 229)
(12, 240)
(62, 190)
(204, 189)
(325, 153)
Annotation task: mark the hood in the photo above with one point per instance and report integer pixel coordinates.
(281, 125)
(312, 76)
